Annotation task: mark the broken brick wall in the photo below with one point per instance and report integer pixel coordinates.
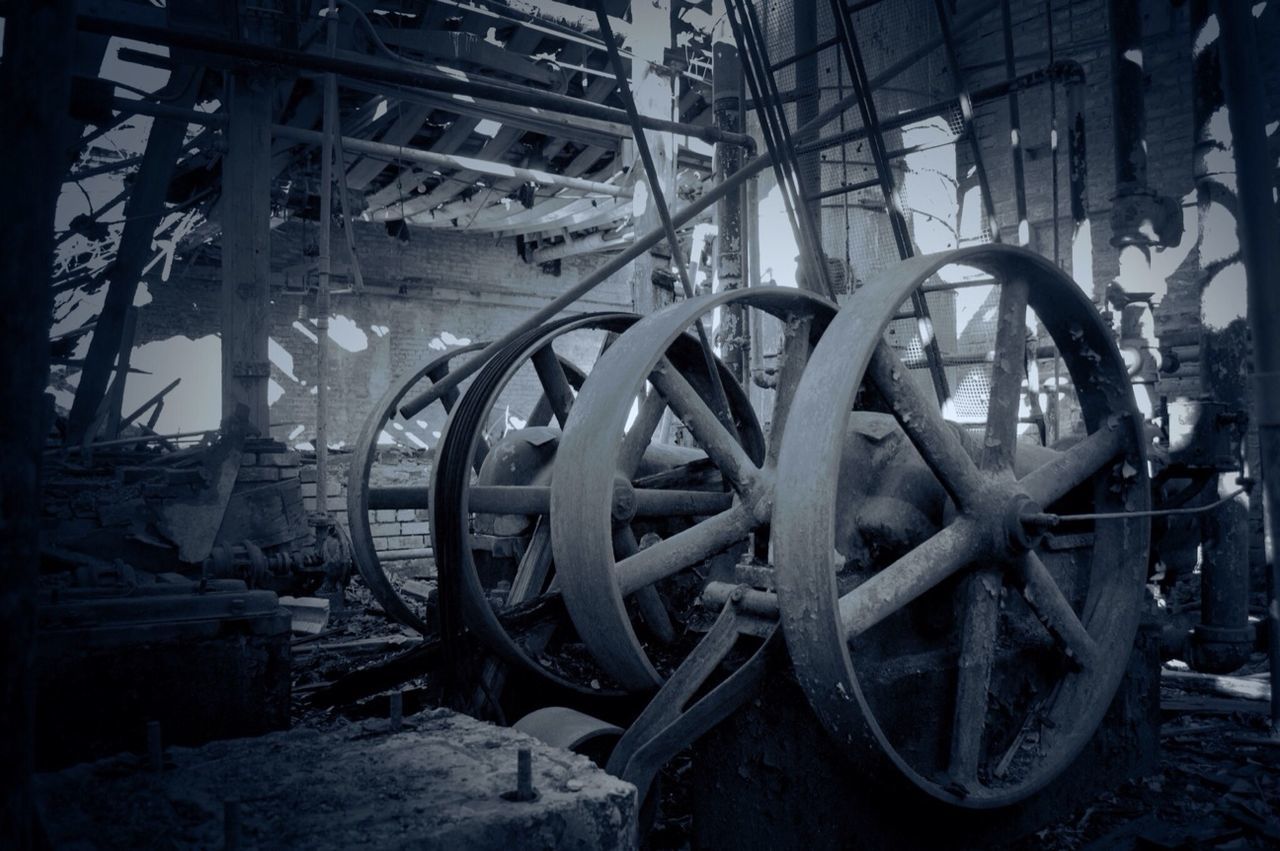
(434, 291)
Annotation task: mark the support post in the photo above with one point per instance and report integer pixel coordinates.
(36, 78)
(1246, 109)
(323, 307)
(1223, 639)
(651, 89)
(727, 100)
(246, 257)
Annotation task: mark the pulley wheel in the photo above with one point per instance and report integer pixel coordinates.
(364, 498)
(979, 662)
(488, 521)
(607, 568)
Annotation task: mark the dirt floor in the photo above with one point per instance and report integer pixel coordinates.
(1218, 785)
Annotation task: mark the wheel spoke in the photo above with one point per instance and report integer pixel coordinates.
(637, 438)
(1054, 611)
(684, 548)
(722, 447)
(923, 424)
(909, 577)
(535, 564)
(1050, 482)
(387, 498)
(509, 499)
(977, 657)
(681, 503)
(652, 610)
(1006, 377)
(555, 384)
(796, 349)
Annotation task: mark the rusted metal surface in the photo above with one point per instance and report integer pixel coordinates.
(831, 632)
(595, 582)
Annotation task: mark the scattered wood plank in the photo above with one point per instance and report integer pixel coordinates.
(1202, 705)
(1242, 687)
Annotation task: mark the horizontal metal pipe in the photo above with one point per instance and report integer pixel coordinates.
(532, 499)
(763, 604)
(400, 152)
(387, 498)
(405, 555)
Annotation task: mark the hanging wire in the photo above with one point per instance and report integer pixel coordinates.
(1157, 512)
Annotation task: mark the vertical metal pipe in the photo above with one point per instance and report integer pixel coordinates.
(1128, 105)
(1221, 642)
(1015, 126)
(805, 38)
(727, 111)
(330, 83)
(1260, 250)
(1078, 192)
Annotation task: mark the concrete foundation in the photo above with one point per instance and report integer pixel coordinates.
(770, 778)
(438, 783)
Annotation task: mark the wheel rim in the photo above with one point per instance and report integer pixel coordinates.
(359, 502)
(595, 451)
(818, 623)
(452, 510)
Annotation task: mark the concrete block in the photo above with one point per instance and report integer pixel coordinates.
(310, 614)
(417, 527)
(248, 459)
(384, 530)
(405, 514)
(384, 515)
(406, 542)
(258, 474)
(438, 783)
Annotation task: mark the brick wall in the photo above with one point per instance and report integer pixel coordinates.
(423, 296)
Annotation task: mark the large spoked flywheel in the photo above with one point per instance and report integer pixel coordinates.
(612, 568)
(977, 654)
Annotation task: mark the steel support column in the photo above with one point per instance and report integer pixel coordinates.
(726, 106)
(1260, 249)
(1222, 640)
(246, 258)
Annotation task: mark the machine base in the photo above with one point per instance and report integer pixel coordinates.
(770, 778)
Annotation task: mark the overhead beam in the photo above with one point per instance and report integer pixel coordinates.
(351, 64)
(399, 152)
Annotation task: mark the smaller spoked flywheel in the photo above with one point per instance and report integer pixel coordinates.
(970, 639)
(369, 493)
(624, 577)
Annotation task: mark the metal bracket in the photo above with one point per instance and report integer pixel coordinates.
(251, 369)
(668, 725)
